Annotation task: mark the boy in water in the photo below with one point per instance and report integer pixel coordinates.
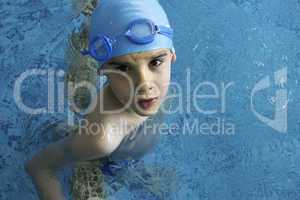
(131, 40)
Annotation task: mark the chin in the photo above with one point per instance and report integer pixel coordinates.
(145, 113)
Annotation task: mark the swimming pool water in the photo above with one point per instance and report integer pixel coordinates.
(233, 44)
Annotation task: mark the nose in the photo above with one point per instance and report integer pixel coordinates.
(144, 82)
(145, 89)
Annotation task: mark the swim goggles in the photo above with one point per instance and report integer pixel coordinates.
(140, 31)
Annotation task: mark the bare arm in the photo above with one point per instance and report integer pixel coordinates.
(43, 166)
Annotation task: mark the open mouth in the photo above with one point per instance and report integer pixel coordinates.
(147, 103)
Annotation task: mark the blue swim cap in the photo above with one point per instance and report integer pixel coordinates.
(112, 17)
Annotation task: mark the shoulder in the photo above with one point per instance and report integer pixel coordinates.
(97, 132)
(103, 129)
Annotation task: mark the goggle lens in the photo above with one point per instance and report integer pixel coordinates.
(141, 30)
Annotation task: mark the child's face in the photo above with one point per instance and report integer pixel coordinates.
(150, 75)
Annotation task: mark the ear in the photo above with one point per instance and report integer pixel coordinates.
(174, 57)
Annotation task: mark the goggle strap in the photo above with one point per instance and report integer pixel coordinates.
(165, 31)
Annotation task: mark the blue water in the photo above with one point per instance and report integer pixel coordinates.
(219, 41)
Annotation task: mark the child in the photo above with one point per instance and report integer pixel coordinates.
(130, 41)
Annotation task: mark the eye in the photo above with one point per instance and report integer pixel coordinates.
(122, 68)
(156, 62)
